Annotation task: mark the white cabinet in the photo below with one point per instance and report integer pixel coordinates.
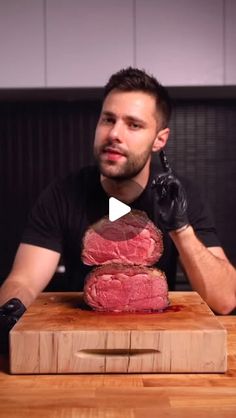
(181, 41)
(22, 43)
(77, 43)
(230, 42)
(87, 41)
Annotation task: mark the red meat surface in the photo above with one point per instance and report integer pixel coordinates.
(132, 239)
(120, 288)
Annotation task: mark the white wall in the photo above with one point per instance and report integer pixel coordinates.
(73, 43)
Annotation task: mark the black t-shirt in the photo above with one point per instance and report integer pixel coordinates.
(66, 209)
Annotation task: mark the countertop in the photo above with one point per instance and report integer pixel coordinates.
(126, 396)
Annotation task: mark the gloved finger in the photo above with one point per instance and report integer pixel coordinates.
(164, 162)
(173, 189)
(164, 180)
(161, 179)
(13, 305)
(160, 183)
(7, 322)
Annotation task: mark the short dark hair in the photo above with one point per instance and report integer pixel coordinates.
(134, 79)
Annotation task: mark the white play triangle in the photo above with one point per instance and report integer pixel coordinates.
(117, 209)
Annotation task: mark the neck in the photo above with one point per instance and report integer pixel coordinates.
(126, 190)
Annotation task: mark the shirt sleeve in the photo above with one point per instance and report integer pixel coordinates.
(200, 216)
(45, 223)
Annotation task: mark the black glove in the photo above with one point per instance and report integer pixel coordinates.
(10, 313)
(171, 198)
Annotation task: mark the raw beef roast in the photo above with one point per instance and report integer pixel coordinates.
(120, 288)
(132, 239)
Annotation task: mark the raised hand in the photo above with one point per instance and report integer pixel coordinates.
(171, 198)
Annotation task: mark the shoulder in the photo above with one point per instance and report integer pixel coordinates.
(79, 178)
(63, 196)
(196, 198)
(74, 182)
(198, 204)
(200, 214)
(193, 190)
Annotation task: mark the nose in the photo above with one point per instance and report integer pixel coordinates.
(116, 131)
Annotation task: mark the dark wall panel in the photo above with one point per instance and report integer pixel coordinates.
(203, 147)
(42, 140)
(38, 142)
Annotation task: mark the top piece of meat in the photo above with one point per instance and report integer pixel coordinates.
(132, 239)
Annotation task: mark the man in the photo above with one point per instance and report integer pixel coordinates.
(133, 124)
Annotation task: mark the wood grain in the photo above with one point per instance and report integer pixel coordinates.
(122, 395)
(59, 334)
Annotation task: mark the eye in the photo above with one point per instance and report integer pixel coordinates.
(107, 120)
(135, 125)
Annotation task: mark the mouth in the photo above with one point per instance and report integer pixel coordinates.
(112, 154)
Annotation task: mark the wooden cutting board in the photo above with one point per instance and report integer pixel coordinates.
(60, 334)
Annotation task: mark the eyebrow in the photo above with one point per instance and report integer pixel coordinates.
(135, 119)
(127, 117)
(107, 113)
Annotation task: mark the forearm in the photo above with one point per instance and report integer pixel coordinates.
(212, 277)
(32, 270)
(15, 287)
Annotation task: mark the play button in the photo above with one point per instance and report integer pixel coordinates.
(113, 219)
(117, 209)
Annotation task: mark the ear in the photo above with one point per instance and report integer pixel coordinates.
(161, 139)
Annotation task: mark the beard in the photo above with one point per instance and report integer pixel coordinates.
(126, 170)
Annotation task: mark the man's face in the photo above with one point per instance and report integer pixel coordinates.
(125, 133)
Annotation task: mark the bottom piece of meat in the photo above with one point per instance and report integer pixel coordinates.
(121, 288)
